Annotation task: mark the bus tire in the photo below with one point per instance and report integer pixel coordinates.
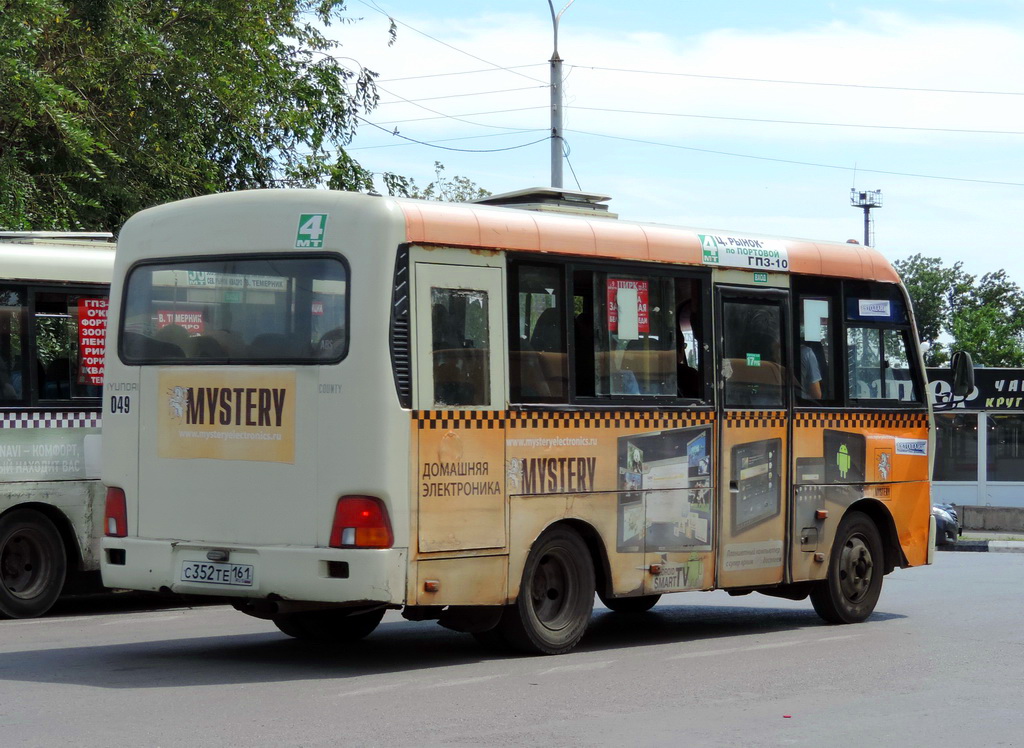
(850, 591)
(640, 604)
(556, 596)
(329, 626)
(33, 564)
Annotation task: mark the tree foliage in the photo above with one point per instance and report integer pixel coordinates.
(449, 190)
(110, 106)
(958, 311)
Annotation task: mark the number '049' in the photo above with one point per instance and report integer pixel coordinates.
(120, 404)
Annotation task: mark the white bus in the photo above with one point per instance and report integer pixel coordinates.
(324, 405)
(53, 305)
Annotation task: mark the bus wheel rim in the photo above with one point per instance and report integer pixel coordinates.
(553, 589)
(24, 564)
(856, 569)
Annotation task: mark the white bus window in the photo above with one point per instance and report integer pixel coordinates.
(12, 364)
(236, 311)
(461, 346)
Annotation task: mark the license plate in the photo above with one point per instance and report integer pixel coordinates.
(203, 572)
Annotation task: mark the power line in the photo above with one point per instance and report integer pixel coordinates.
(396, 134)
(801, 122)
(377, 8)
(802, 83)
(443, 140)
(461, 72)
(469, 114)
(440, 115)
(799, 163)
(455, 96)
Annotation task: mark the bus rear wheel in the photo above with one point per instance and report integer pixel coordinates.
(33, 564)
(329, 626)
(850, 591)
(556, 596)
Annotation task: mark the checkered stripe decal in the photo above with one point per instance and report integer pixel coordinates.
(755, 419)
(863, 420)
(50, 420)
(490, 419)
(466, 419)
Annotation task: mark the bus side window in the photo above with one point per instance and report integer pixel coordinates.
(461, 346)
(12, 364)
(538, 365)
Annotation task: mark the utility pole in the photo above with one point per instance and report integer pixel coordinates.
(866, 200)
(557, 150)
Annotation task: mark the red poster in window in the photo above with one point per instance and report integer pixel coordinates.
(92, 335)
(641, 286)
(191, 321)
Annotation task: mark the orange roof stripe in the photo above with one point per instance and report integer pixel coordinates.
(487, 227)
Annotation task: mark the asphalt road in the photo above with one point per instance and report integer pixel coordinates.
(940, 663)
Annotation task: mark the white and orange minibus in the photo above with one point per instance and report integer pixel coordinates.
(325, 405)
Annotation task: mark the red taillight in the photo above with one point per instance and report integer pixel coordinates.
(115, 518)
(361, 522)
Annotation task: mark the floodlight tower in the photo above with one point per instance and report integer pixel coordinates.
(557, 148)
(866, 200)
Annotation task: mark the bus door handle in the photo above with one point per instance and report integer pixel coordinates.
(734, 486)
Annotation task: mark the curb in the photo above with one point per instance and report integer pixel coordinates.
(984, 546)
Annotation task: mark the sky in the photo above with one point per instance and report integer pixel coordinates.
(743, 116)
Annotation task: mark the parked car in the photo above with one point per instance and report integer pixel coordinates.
(947, 524)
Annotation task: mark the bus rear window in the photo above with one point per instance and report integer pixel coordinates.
(228, 310)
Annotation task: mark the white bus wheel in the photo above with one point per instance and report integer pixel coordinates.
(33, 564)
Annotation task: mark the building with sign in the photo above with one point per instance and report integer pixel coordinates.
(979, 451)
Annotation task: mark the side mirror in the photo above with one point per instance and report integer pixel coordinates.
(963, 373)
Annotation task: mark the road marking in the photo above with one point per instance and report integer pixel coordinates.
(375, 689)
(464, 681)
(733, 650)
(841, 636)
(583, 666)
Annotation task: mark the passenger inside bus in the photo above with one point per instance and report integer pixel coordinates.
(688, 381)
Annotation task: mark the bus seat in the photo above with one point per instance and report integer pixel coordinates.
(204, 346)
(138, 346)
(273, 345)
(526, 375)
(175, 334)
(759, 385)
(547, 333)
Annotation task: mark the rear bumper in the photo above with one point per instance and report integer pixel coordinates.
(284, 572)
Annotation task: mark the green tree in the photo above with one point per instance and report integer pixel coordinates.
(110, 106)
(928, 283)
(984, 317)
(449, 190)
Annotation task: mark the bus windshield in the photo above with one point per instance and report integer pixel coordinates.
(206, 311)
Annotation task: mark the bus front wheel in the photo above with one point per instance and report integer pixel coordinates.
(329, 626)
(850, 591)
(556, 597)
(32, 564)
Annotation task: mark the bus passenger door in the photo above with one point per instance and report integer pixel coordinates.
(460, 392)
(753, 405)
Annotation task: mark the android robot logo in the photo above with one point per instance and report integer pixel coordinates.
(843, 460)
